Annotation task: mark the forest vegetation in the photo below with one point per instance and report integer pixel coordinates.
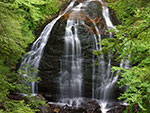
(132, 43)
(20, 18)
(18, 21)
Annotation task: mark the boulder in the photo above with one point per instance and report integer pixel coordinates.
(117, 109)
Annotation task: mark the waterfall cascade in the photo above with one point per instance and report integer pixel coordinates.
(34, 56)
(72, 76)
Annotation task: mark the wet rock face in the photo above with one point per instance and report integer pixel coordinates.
(91, 106)
(49, 69)
(50, 62)
(117, 109)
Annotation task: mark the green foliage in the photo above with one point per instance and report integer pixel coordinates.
(14, 106)
(35, 11)
(132, 42)
(18, 20)
(138, 81)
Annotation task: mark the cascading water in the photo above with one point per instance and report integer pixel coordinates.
(34, 56)
(72, 62)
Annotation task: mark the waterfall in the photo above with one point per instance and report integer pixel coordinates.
(71, 64)
(73, 60)
(34, 56)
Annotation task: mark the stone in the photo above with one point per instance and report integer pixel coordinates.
(54, 51)
(117, 109)
(87, 106)
(45, 109)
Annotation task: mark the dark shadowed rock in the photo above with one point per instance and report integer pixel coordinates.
(50, 64)
(15, 96)
(45, 109)
(87, 106)
(90, 106)
(117, 109)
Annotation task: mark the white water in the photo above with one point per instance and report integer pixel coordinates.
(71, 77)
(71, 63)
(34, 56)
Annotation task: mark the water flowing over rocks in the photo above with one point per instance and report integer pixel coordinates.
(86, 106)
(50, 62)
(67, 66)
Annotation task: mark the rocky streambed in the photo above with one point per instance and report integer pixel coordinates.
(86, 106)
